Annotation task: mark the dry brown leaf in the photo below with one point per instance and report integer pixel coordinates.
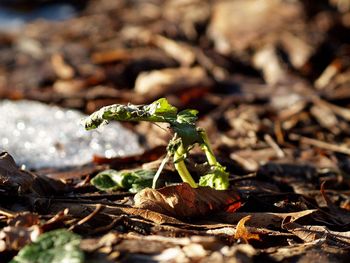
(11, 177)
(182, 200)
(261, 219)
(243, 233)
(339, 216)
(313, 233)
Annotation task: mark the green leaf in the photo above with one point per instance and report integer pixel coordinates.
(187, 116)
(217, 178)
(107, 180)
(158, 111)
(52, 247)
(132, 180)
(162, 108)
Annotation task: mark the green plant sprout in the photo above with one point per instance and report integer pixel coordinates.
(186, 135)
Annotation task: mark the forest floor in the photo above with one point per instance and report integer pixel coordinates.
(271, 82)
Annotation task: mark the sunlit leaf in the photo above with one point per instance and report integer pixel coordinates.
(52, 247)
(182, 201)
(187, 116)
(243, 233)
(217, 178)
(133, 180)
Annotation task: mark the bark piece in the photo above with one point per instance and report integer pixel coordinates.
(158, 82)
(61, 68)
(237, 25)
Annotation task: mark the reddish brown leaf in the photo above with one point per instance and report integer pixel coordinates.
(243, 233)
(182, 200)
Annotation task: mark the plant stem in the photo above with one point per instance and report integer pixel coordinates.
(160, 169)
(180, 166)
(207, 148)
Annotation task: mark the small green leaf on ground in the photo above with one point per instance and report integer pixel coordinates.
(217, 178)
(52, 247)
(133, 181)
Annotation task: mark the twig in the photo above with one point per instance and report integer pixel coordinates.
(321, 144)
(270, 141)
(7, 213)
(88, 217)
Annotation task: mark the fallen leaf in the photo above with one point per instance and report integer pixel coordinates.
(312, 233)
(11, 177)
(52, 247)
(132, 180)
(263, 219)
(339, 216)
(243, 233)
(182, 200)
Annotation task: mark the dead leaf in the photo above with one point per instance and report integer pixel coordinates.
(312, 233)
(182, 200)
(152, 216)
(263, 219)
(339, 216)
(243, 233)
(11, 177)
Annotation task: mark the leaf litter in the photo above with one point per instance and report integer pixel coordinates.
(270, 82)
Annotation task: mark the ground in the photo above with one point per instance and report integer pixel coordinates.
(271, 82)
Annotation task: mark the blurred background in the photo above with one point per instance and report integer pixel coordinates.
(250, 66)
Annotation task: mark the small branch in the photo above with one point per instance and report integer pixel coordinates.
(321, 144)
(88, 217)
(279, 152)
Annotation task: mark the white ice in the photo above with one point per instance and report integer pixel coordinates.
(38, 135)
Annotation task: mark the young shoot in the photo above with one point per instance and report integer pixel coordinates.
(186, 135)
